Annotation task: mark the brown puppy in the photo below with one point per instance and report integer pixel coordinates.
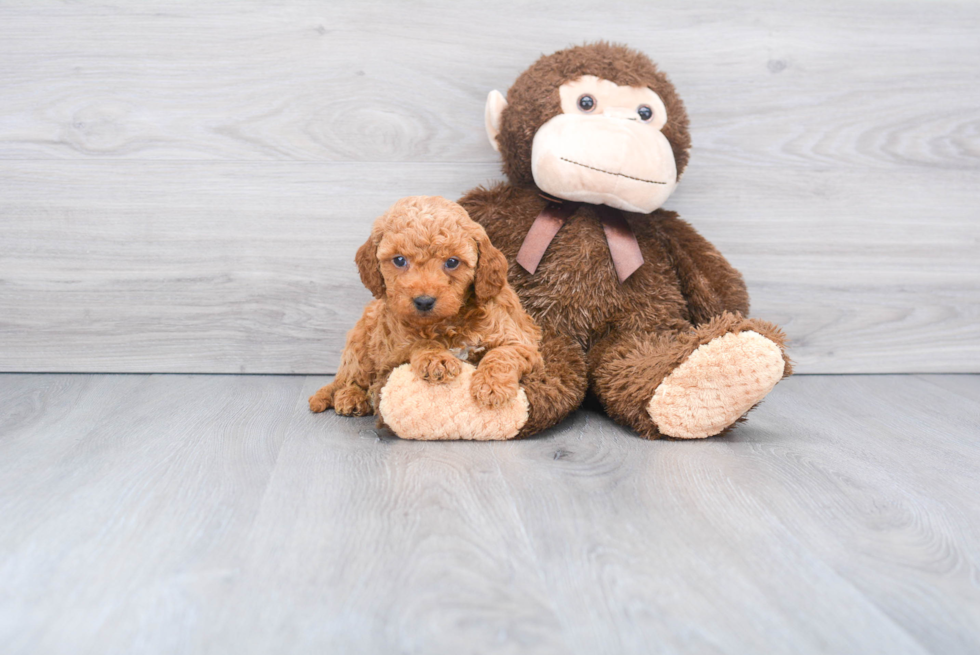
(441, 298)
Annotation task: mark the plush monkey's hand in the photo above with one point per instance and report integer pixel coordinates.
(416, 409)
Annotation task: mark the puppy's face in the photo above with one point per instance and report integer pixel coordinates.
(427, 258)
(427, 273)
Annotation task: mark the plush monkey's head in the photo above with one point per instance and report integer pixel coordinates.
(596, 123)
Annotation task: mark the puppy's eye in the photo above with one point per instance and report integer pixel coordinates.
(399, 261)
(645, 113)
(586, 103)
(452, 263)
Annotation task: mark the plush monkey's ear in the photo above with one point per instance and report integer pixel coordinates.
(491, 270)
(369, 268)
(496, 103)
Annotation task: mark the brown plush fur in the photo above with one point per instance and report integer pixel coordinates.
(621, 339)
(474, 309)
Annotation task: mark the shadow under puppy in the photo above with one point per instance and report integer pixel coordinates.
(445, 312)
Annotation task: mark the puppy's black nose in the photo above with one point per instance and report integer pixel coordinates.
(424, 303)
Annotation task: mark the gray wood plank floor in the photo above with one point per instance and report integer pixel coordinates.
(192, 514)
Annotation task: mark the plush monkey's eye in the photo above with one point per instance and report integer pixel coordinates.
(399, 261)
(452, 263)
(586, 103)
(645, 112)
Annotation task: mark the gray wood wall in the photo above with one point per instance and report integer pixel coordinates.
(183, 184)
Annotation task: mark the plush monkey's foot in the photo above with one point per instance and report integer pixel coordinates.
(716, 385)
(416, 409)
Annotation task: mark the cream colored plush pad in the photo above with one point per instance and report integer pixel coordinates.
(416, 409)
(716, 384)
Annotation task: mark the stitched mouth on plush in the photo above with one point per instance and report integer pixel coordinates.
(629, 177)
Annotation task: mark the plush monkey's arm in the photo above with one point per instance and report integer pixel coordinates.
(709, 283)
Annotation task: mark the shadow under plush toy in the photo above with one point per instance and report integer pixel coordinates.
(633, 303)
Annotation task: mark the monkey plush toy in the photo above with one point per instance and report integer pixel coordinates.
(634, 304)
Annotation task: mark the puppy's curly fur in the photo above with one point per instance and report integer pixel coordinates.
(427, 248)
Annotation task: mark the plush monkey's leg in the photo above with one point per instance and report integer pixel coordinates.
(415, 409)
(688, 384)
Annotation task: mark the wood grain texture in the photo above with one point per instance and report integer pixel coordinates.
(184, 185)
(180, 281)
(196, 514)
(827, 84)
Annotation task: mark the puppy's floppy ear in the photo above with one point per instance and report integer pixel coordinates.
(369, 268)
(491, 269)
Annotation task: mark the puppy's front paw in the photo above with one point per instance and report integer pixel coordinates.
(493, 386)
(352, 401)
(435, 366)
